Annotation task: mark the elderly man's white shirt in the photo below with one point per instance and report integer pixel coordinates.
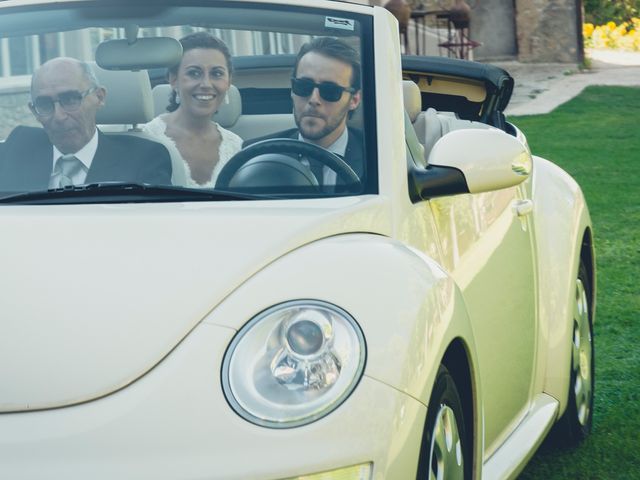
(85, 155)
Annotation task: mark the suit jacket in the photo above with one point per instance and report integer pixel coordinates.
(353, 155)
(26, 160)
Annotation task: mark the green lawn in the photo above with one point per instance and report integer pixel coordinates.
(596, 138)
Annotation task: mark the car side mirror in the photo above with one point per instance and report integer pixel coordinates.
(471, 161)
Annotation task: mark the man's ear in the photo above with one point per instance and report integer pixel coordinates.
(33, 111)
(355, 100)
(101, 93)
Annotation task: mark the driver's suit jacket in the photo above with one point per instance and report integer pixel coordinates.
(353, 155)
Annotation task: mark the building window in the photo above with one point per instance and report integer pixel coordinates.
(49, 46)
(20, 55)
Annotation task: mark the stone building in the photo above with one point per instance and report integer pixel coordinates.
(529, 30)
(548, 31)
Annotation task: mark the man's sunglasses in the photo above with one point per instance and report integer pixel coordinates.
(329, 91)
(69, 101)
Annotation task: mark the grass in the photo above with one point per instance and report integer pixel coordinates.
(596, 138)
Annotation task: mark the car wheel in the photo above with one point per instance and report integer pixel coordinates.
(576, 421)
(444, 453)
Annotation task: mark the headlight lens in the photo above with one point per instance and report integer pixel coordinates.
(293, 363)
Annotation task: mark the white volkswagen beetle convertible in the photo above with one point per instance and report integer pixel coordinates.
(421, 308)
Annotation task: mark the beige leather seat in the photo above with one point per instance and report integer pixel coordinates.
(412, 107)
(128, 105)
(412, 99)
(430, 125)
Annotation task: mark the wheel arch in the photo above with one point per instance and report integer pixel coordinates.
(587, 255)
(457, 359)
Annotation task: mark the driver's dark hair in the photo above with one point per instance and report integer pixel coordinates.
(190, 42)
(333, 48)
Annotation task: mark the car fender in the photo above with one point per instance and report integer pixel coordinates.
(407, 307)
(561, 218)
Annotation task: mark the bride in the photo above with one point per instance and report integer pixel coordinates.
(199, 85)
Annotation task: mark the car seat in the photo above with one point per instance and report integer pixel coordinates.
(129, 104)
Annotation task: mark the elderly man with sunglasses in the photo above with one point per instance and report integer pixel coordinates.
(325, 89)
(69, 149)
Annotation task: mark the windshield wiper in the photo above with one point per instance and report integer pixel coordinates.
(122, 192)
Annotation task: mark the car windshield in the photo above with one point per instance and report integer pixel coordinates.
(184, 101)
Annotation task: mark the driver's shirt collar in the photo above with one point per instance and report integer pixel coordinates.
(339, 147)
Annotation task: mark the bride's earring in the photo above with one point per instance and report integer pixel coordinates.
(226, 99)
(177, 97)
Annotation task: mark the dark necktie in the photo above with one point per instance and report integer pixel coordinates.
(317, 169)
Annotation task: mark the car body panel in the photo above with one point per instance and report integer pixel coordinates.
(433, 308)
(127, 383)
(95, 236)
(175, 422)
(560, 208)
(391, 147)
(491, 259)
(508, 460)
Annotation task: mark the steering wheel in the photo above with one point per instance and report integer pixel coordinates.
(287, 146)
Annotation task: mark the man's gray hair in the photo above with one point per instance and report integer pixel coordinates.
(86, 69)
(89, 73)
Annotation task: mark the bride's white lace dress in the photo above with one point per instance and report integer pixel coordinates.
(229, 146)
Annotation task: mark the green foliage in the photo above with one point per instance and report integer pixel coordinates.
(595, 138)
(600, 12)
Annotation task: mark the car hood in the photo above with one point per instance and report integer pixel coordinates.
(93, 296)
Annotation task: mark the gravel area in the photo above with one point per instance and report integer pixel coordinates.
(541, 87)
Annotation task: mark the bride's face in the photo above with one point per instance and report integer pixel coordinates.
(202, 81)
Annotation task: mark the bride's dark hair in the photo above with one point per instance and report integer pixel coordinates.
(198, 40)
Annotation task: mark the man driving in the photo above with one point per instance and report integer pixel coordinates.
(325, 89)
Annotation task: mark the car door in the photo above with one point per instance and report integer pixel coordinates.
(487, 248)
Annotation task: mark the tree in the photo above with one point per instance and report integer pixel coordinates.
(600, 12)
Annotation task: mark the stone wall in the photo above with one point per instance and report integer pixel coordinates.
(544, 31)
(14, 109)
(493, 25)
(547, 31)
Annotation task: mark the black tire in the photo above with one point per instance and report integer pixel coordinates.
(576, 422)
(441, 458)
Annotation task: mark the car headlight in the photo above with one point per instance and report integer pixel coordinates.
(293, 363)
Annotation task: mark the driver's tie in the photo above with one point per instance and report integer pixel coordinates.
(316, 169)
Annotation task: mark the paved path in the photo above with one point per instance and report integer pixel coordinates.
(540, 88)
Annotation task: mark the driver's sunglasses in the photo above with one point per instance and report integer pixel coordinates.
(329, 91)
(69, 101)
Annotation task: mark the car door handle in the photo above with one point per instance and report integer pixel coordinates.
(523, 207)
